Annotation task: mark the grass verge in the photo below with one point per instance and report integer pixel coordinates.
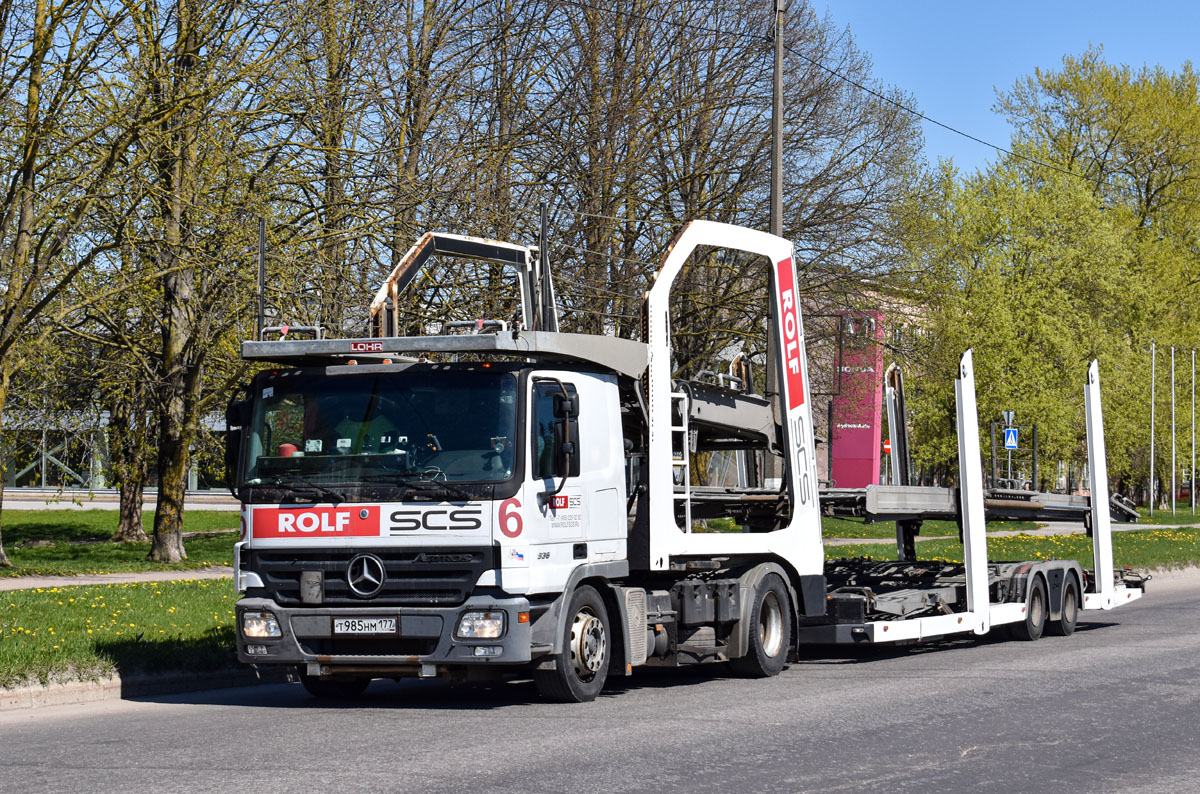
(23, 527)
(1140, 549)
(69, 559)
(1183, 515)
(71, 542)
(84, 633)
(856, 528)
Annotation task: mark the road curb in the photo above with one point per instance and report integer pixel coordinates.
(117, 688)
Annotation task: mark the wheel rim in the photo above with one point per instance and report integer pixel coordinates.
(770, 625)
(589, 644)
(1037, 609)
(1069, 605)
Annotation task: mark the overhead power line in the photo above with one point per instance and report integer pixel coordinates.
(857, 84)
(950, 128)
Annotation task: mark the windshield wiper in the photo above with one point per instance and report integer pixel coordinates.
(423, 487)
(431, 488)
(302, 487)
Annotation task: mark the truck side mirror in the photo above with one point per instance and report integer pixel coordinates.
(237, 413)
(566, 436)
(237, 416)
(233, 451)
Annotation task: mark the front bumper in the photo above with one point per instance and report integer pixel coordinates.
(425, 642)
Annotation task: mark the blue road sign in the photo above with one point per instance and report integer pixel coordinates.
(1010, 438)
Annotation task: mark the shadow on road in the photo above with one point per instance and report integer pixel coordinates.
(410, 694)
(440, 695)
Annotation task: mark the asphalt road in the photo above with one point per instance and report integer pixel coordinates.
(1114, 708)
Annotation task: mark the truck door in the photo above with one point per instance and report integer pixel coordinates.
(554, 455)
(573, 497)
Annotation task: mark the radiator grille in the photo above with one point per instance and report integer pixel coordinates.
(414, 577)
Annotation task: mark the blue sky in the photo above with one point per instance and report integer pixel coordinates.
(951, 56)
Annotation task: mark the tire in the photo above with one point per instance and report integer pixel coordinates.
(1065, 625)
(1036, 612)
(333, 688)
(770, 631)
(582, 664)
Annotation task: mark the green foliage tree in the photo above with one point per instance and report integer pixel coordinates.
(1029, 270)
(1131, 134)
(1080, 244)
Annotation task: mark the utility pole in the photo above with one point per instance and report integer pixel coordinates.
(771, 467)
(262, 278)
(1153, 362)
(777, 127)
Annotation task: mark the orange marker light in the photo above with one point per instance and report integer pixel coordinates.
(522, 617)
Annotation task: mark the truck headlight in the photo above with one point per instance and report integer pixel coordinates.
(480, 626)
(257, 625)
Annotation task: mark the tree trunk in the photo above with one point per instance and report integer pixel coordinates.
(172, 484)
(181, 386)
(127, 442)
(5, 562)
(21, 247)
(180, 370)
(129, 526)
(5, 374)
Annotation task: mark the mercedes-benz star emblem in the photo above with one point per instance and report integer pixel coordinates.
(365, 575)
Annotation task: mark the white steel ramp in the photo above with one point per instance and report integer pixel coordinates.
(1106, 592)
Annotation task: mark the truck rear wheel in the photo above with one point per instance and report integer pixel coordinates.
(582, 664)
(770, 631)
(333, 688)
(1036, 612)
(1065, 625)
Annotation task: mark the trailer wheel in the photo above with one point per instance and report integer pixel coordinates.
(333, 688)
(770, 631)
(582, 664)
(1065, 625)
(1036, 612)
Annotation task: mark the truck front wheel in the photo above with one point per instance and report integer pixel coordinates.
(770, 631)
(582, 665)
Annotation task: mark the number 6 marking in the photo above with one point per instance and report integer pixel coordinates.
(510, 510)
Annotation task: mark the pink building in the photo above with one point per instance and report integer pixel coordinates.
(856, 434)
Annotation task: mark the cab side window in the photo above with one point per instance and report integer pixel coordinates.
(547, 441)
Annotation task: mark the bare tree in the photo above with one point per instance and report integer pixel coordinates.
(66, 130)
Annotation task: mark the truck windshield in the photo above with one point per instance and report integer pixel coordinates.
(383, 427)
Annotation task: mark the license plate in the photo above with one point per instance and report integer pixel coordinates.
(364, 625)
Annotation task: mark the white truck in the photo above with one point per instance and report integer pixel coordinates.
(517, 501)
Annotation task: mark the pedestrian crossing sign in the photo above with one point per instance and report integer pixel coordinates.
(1010, 438)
